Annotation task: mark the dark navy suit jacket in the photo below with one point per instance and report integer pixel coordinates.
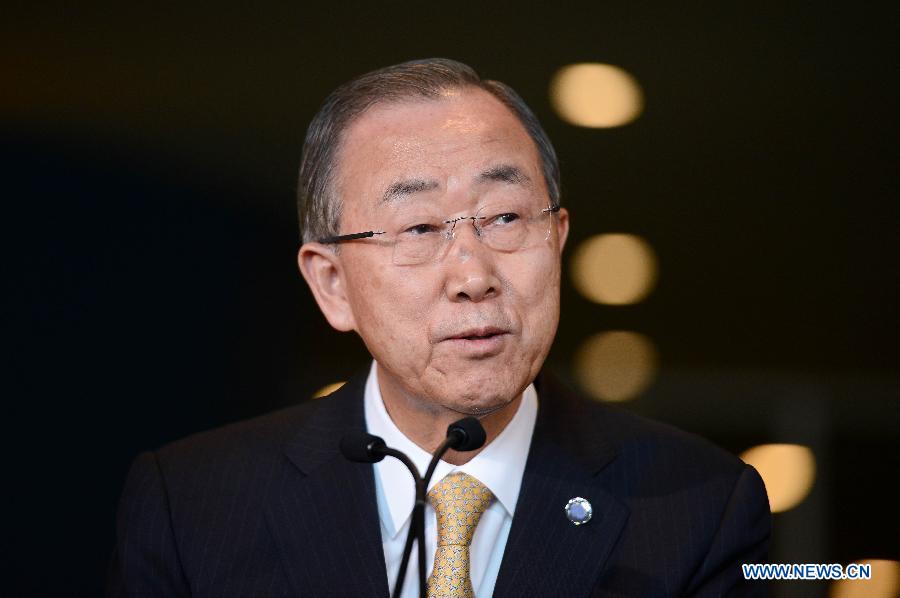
(269, 507)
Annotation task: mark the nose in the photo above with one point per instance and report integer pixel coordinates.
(471, 274)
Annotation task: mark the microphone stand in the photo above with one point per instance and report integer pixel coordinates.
(417, 522)
(455, 438)
(463, 435)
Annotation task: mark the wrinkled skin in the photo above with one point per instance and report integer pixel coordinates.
(406, 314)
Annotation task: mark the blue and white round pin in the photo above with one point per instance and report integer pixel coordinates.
(579, 510)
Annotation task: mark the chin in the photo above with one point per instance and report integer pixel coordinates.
(480, 398)
(476, 387)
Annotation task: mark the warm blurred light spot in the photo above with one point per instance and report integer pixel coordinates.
(595, 95)
(328, 389)
(788, 471)
(616, 269)
(616, 365)
(885, 582)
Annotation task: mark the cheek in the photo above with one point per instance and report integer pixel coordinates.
(535, 283)
(391, 309)
(537, 299)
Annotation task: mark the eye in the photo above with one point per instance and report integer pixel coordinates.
(420, 229)
(506, 218)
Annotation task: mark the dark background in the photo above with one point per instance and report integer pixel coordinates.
(150, 288)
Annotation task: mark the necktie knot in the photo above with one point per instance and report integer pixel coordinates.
(459, 501)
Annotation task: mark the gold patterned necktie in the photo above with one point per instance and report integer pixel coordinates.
(459, 501)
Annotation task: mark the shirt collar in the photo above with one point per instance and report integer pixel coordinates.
(499, 466)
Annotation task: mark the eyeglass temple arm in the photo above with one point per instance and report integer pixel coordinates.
(350, 237)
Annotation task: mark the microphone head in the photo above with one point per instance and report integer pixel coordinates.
(362, 447)
(468, 434)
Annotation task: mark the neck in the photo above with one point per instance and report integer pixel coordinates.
(427, 427)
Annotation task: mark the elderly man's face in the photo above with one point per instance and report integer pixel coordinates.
(470, 329)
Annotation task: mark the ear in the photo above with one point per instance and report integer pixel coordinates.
(562, 227)
(321, 267)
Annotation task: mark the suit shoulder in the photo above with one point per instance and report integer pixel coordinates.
(655, 459)
(636, 435)
(250, 438)
(656, 450)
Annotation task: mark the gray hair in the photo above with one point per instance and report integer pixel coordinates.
(317, 205)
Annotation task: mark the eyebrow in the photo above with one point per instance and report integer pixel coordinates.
(401, 189)
(501, 173)
(505, 173)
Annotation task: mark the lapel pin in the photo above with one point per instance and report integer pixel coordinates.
(579, 510)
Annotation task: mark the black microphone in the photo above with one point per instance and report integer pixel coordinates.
(463, 435)
(362, 447)
(466, 435)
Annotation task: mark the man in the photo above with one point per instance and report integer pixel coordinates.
(429, 204)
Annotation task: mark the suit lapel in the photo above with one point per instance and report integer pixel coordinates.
(546, 554)
(322, 512)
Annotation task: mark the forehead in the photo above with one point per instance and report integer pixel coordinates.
(447, 140)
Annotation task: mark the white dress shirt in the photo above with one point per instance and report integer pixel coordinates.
(499, 466)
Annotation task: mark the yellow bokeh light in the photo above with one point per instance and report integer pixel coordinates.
(885, 582)
(615, 269)
(616, 365)
(327, 389)
(595, 95)
(788, 471)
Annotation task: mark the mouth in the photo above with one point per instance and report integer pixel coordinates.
(474, 334)
(479, 342)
